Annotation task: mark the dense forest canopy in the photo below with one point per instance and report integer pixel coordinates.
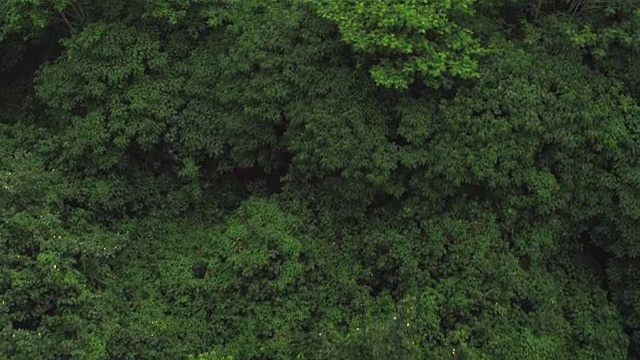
(319, 179)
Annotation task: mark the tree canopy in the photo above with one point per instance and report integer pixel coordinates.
(311, 179)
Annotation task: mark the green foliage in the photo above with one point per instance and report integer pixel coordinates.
(212, 179)
(46, 257)
(106, 120)
(412, 40)
(210, 356)
(29, 17)
(158, 103)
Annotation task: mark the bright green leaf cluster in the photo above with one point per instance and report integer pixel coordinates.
(410, 40)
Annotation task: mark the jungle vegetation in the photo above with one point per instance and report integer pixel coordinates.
(319, 179)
